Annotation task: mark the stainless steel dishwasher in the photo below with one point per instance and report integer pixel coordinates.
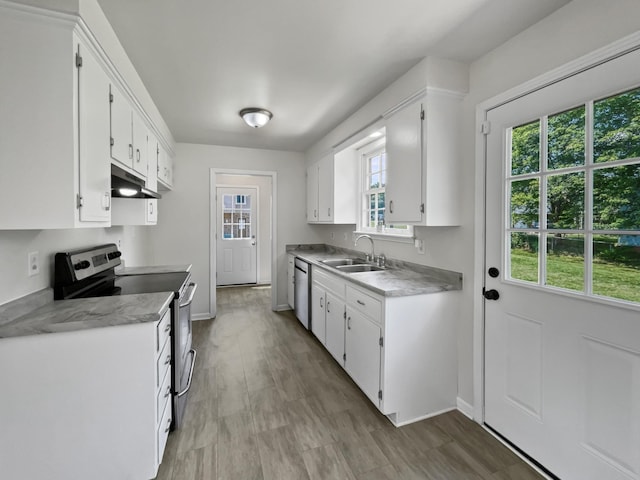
(301, 293)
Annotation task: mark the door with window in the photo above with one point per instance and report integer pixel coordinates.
(562, 308)
(236, 238)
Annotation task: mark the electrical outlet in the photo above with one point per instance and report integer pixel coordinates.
(119, 244)
(419, 244)
(34, 263)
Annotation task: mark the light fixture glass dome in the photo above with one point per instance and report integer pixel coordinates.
(256, 117)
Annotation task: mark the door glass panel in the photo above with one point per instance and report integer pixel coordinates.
(616, 129)
(616, 198)
(566, 139)
(616, 266)
(236, 216)
(525, 148)
(565, 201)
(525, 203)
(565, 261)
(524, 256)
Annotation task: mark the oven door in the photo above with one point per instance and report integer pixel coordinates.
(185, 356)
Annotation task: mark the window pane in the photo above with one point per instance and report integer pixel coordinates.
(381, 201)
(616, 129)
(566, 139)
(227, 231)
(383, 158)
(226, 200)
(525, 148)
(372, 201)
(565, 201)
(565, 261)
(525, 201)
(524, 256)
(616, 198)
(375, 181)
(616, 266)
(375, 164)
(372, 218)
(383, 178)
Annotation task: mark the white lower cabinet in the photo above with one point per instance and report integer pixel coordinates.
(400, 350)
(93, 403)
(362, 345)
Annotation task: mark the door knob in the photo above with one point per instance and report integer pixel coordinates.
(491, 294)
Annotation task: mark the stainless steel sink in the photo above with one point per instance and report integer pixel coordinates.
(335, 262)
(358, 268)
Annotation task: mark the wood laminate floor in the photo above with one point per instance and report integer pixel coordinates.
(268, 402)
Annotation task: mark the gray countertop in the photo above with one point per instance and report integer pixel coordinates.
(398, 279)
(152, 269)
(82, 314)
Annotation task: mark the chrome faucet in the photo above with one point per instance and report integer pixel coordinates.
(370, 256)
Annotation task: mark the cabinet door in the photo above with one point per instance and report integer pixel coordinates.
(362, 345)
(404, 165)
(95, 165)
(152, 158)
(140, 145)
(335, 324)
(121, 139)
(318, 322)
(325, 189)
(312, 193)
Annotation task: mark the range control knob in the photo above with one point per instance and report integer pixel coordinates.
(112, 255)
(82, 265)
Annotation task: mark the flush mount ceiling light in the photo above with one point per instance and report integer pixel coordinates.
(256, 117)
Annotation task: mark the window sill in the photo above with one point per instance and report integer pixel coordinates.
(387, 237)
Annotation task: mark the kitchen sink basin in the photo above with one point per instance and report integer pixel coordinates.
(358, 268)
(336, 262)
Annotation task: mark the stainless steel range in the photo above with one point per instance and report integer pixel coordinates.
(91, 273)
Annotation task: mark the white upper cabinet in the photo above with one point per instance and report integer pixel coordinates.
(121, 127)
(332, 190)
(423, 161)
(60, 131)
(140, 136)
(54, 149)
(165, 169)
(95, 182)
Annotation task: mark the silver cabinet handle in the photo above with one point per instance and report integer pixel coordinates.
(168, 392)
(130, 151)
(137, 155)
(329, 211)
(390, 206)
(321, 305)
(348, 323)
(168, 360)
(360, 302)
(193, 362)
(328, 303)
(168, 327)
(168, 425)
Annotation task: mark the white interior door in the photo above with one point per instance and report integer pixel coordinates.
(562, 340)
(236, 239)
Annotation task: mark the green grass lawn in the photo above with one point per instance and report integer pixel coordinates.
(610, 280)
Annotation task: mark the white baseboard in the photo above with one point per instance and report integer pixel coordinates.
(417, 419)
(464, 407)
(200, 316)
(282, 307)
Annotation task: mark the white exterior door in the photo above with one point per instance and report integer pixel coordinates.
(562, 340)
(236, 239)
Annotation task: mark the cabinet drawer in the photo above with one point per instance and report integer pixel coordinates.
(163, 330)
(330, 282)
(164, 394)
(163, 364)
(163, 431)
(365, 303)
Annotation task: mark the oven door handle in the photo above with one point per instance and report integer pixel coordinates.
(193, 363)
(193, 292)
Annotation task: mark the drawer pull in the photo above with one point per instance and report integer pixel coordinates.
(168, 327)
(168, 360)
(166, 430)
(360, 302)
(349, 323)
(168, 391)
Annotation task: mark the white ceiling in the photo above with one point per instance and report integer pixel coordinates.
(312, 63)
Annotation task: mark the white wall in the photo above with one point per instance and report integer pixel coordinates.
(574, 30)
(182, 233)
(15, 246)
(263, 183)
